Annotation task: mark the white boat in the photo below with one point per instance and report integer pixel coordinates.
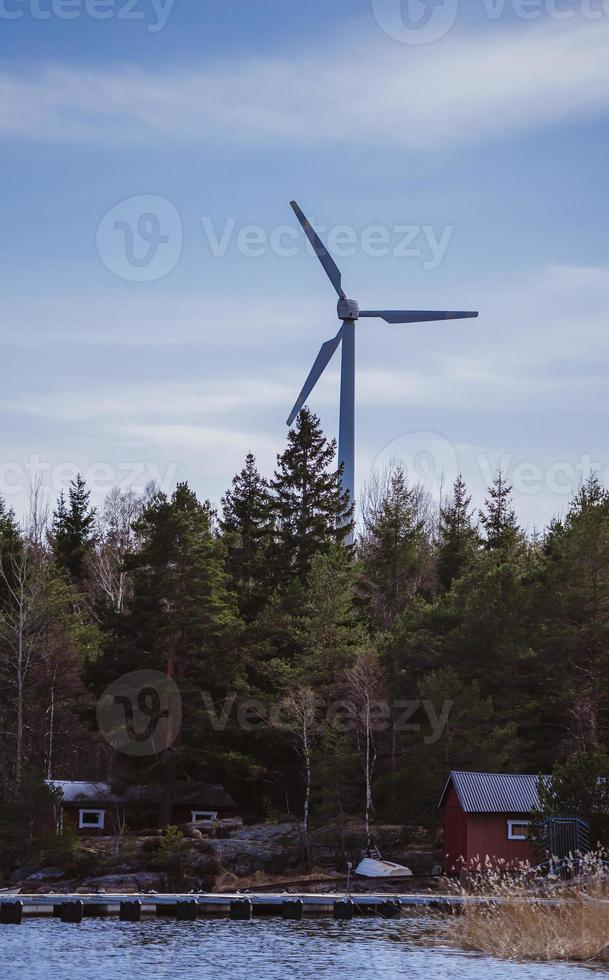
(372, 867)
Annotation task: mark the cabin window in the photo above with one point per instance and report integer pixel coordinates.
(198, 815)
(518, 829)
(91, 819)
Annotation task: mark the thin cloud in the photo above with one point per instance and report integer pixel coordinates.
(463, 89)
(214, 450)
(152, 400)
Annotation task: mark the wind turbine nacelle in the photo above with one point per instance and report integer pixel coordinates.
(348, 309)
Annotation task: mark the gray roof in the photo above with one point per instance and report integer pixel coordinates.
(494, 792)
(210, 796)
(203, 795)
(88, 792)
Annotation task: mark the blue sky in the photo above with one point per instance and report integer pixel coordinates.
(483, 152)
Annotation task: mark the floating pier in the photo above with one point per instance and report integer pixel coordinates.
(238, 906)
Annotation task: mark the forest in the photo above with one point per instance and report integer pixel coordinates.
(318, 678)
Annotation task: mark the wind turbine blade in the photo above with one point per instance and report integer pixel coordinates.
(332, 270)
(321, 362)
(415, 316)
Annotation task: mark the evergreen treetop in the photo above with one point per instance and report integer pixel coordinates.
(457, 538)
(395, 549)
(310, 508)
(73, 530)
(502, 532)
(246, 526)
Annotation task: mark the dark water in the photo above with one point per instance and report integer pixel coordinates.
(270, 949)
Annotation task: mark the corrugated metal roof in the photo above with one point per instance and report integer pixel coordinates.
(494, 792)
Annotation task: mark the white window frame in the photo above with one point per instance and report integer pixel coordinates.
(197, 816)
(101, 817)
(517, 823)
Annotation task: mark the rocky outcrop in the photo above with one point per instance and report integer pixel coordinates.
(139, 881)
(25, 874)
(279, 848)
(37, 882)
(259, 853)
(204, 829)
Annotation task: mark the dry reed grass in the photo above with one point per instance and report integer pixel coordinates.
(525, 918)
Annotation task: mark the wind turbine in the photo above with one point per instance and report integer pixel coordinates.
(349, 312)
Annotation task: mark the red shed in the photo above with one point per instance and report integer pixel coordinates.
(487, 816)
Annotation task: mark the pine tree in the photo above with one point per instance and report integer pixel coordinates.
(457, 539)
(310, 508)
(247, 527)
(73, 531)
(502, 532)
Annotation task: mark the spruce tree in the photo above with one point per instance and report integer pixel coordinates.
(246, 526)
(457, 539)
(502, 532)
(73, 531)
(310, 508)
(329, 629)
(10, 547)
(181, 607)
(572, 613)
(180, 619)
(395, 549)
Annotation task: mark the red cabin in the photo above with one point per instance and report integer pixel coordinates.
(487, 817)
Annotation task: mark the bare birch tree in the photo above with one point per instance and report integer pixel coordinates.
(22, 621)
(300, 705)
(365, 698)
(115, 539)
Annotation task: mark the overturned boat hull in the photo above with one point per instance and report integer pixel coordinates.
(377, 868)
